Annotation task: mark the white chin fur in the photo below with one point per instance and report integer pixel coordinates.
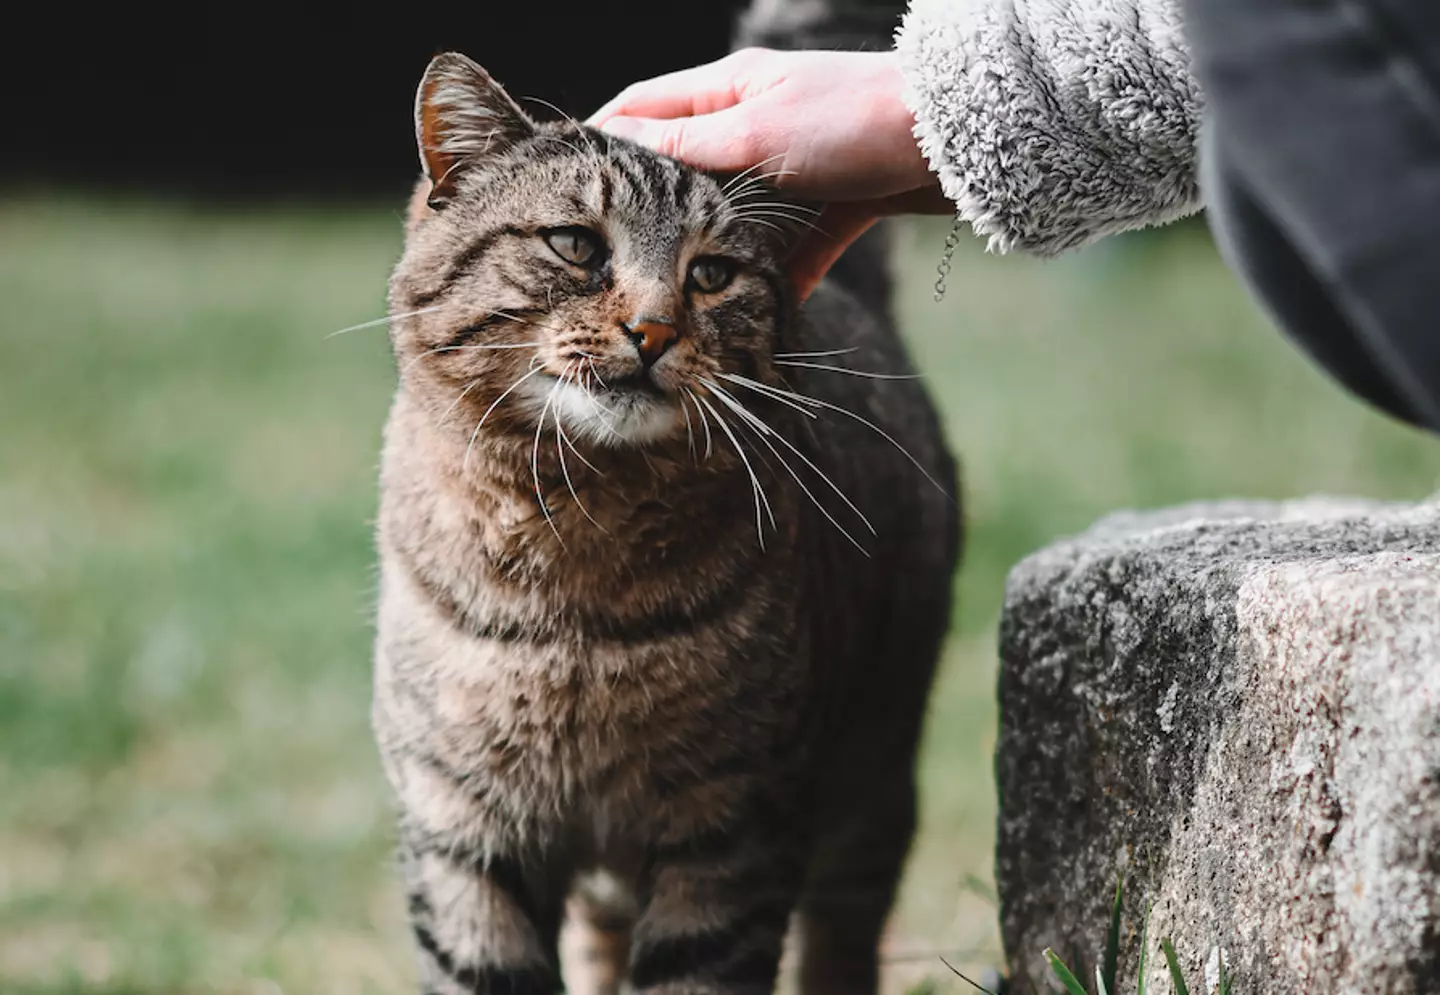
(612, 418)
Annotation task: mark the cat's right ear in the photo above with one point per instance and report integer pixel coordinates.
(461, 116)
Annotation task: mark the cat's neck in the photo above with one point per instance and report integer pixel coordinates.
(609, 515)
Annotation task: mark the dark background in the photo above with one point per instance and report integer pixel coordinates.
(243, 102)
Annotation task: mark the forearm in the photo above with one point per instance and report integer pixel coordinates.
(1051, 123)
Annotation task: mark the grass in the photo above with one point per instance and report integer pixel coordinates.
(189, 801)
(1106, 972)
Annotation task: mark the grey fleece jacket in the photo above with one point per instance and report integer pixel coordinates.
(1052, 123)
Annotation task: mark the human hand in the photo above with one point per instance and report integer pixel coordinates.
(826, 126)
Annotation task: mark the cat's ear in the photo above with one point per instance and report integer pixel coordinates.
(461, 116)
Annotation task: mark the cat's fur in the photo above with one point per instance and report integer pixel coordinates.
(600, 649)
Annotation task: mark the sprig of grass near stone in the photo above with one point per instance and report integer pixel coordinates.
(1105, 972)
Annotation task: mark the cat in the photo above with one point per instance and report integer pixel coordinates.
(662, 587)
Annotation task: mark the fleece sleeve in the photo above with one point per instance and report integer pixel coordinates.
(1052, 123)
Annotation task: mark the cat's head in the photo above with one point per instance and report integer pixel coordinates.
(598, 283)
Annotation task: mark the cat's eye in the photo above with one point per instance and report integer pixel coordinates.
(579, 246)
(710, 274)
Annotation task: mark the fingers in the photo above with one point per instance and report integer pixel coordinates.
(666, 97)
(716, 141)
(686, 93)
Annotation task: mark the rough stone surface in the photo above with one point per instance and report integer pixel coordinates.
(1238, 705)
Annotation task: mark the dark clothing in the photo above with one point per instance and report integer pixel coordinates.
(1321, 173)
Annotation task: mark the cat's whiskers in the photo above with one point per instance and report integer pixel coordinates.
(600, 410)
(573, 376)
(758, 180)
(565, 472)
(761, 388)
(754, 191)
(459, 348)
(579, 128)
(465, 463)
(570, 445)
(569, 145)
(522, 319)
(535, 462)
(783, 204)
(594, 370)
(842, 369)
(760, 194)
(768, 224)
(499, 313)
(739, 178)
(545, 103)
(816, 354)
(689, 431)
(704, 421)
(758, 187)
(458, 398)
(777, 393)
(590, 359)
(786, 207)
(759, 491)
(376, 322)
(764, 433)
(561, 440)
(753, 214)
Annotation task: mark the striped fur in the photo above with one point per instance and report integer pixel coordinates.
(625, 623)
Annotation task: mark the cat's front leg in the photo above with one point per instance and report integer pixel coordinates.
(716, 913)
(482, 925)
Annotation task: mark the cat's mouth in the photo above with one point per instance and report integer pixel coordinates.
(634, 383)
(628, 410)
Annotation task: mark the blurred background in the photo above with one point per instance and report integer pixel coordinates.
(189, 798)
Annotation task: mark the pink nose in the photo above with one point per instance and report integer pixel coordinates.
(651, 338)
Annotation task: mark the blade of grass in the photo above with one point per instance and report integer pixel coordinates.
(973, 984)
(1176, 978)
(1112, 940)
(1224, 978)
(1144, 950)
(1071, 983)
(1100, 986)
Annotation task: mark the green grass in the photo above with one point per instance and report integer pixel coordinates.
(189, 800)
(1107, 971)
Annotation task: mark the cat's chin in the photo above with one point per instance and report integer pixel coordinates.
(609, 417)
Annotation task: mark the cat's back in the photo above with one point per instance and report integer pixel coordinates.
(876, 424)
(881, 559)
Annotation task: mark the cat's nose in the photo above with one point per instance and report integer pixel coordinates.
(652, 336)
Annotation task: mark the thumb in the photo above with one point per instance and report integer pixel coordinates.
(709, 141)
(842, 222)
(838, 226)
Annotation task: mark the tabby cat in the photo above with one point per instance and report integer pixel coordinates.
(662, 586)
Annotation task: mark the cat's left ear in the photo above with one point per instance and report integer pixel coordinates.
(461, 116)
